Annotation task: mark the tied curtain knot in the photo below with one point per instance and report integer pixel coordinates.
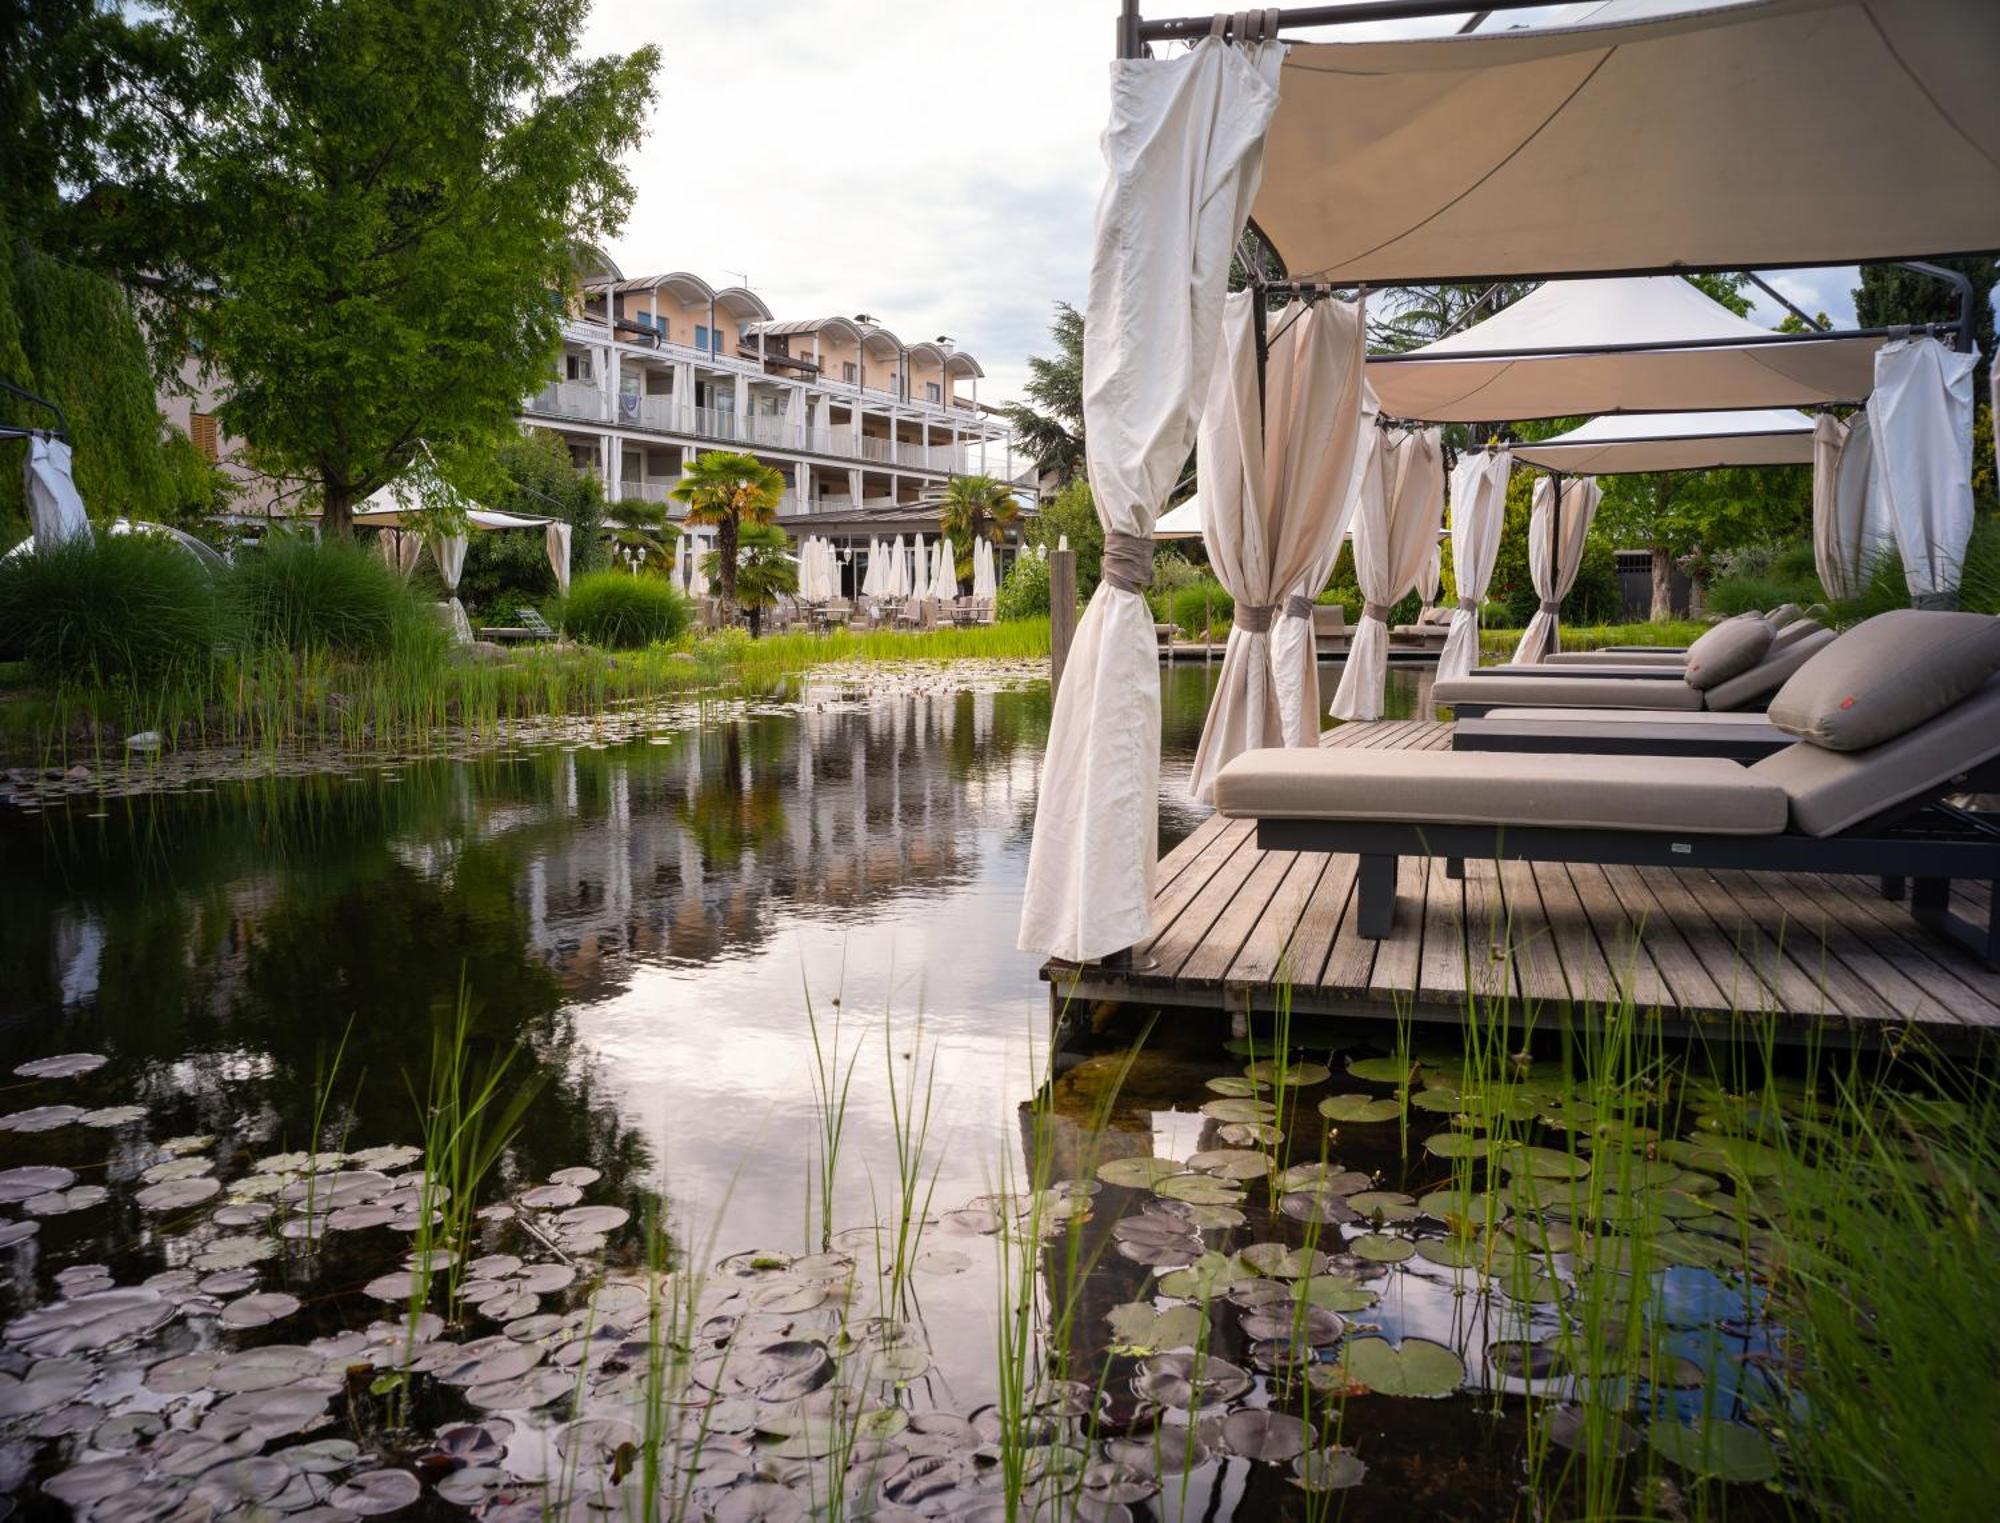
(1468, 605)
(1550, 605)
(1254, 618)
(1128, 561)
(1298, 606)
(1379, 612)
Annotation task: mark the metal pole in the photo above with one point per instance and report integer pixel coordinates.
(1963, 343)
(1259, 324)
(1555, 556)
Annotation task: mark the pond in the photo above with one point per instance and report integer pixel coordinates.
(660, 1130)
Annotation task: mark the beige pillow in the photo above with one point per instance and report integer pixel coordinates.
(1728, 650)
(1886, 676)
(1783, 614)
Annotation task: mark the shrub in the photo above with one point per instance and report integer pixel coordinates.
(1978, 588)
(1204, 606)
(1347, 595)
(302, 594)
(619, 611)
(127, 608)
(1025, 592)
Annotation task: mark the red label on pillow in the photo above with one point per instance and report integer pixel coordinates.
(1847, 702)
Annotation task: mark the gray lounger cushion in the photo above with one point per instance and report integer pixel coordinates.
(1886, 676)
(1798, 629)
(1612, 655)
(1702, 794)
(1580, 691)
(1783, 614)
(1836, 790)
(1728, 650)
(1754, 724)
(1761, 681)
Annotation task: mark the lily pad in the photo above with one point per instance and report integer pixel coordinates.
(1137, 1327)
(1359, 1109)
(38, 1179)
(1231, 1163)
(1295, 1075)
(1383, 1070)
(375, 1492)
(1282, 1263)
(66, 1065)
(1234, 1086)
(1338, 1292)
(177, 1194)
(1727, 1451)
(1136, 1173)
(1330, 1469)
(258, 1310)
(1246, 1111)
(1418, 1367)
(1380, 1248)
(1186, 1382)
(41, 1118)
(1200, 1189)
(1453, 1145)
(1266, 1435)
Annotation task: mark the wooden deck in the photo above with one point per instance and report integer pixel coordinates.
(1819, 953)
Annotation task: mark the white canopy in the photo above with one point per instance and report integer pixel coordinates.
(1523, 362)
(1552, 583)
(1396, 522)
(1769, 133)
(390, 516)
(1180, 522)
(55, 510)
(1478, 512)
(1183, 145)
(1626, 445)
(1921, 419)
(1279, 469)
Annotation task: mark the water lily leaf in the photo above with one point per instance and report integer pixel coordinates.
(49, 1383)
(41, 1118)
(1380, 1248)
(1458, 1251)
(1312, 1326)
(1383, 1206)
(375, 1492)
(1231, 1163)
(762, 1502)
(1453, 1145)
(1209, 1275)
(550, 1197)
(177, 1194)
(1318, 1205)
(1541, 1163)
(1418, 1367)
(1383, 1070)
(1440, 1099)
(258, 1310)
(1235, 1086)
(1246, 1134)
(1727, 1451)
(62, 1202)
(1136, 1173)
(1266, 1435)
(37, 1179)
(1137, 1327)
(113, 1115)
(1200, 1189)
(1597, 1432)
(1324, 1176)
(88, 1322)
(593, 1219)
(1245, 1111)
(1359, 1109)
(1186, 1382)
(1338, 1292)
(66, 1065)
(579, 1176)
(1330, 1469)
(14, 1233)
(1282, 1263)
(1518, 1359)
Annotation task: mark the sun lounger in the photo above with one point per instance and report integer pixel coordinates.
(1621, 732)
(1888, 728)
(1627, 687)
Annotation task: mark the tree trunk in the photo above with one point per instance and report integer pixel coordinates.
(725, 571)
(1663, 582)
(337, 509)
(756, 620)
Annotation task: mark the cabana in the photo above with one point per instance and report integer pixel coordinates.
(1767, 134)
(383, 511)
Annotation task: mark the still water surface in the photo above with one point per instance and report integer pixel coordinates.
(654, 921)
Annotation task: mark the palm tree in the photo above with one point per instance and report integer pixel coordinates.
(974, 506)
(726, 491)
(767, 573)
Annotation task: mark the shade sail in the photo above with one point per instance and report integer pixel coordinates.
(1770, 133)
(1501, 370)
(1182, 522)
(1675, 441)
(1183, 147)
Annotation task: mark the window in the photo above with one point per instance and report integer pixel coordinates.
(933, 392)
(576, 367)
(849, 372)
(206, 435)
(709, 343)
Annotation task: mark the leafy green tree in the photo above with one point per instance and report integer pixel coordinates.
(1049, 425)
(1072, 514)
(729, 492)
(1684, 513)
(973, 508)
(372, 206)
(765, 570)
(529, 473)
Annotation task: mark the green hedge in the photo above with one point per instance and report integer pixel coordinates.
(1025, 592)
(620, 611)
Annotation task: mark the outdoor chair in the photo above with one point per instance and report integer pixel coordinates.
(533, 629)
(1741, 670)
(1786, 619)
(1330, 631)
(1430, 631)
(910, 615)
(1887, 725)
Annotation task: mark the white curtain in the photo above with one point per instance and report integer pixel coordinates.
(55, 509)
(1270, 498)
(1478, 509)
(854, 489)
(1921, 416)
(1183, 147)
(448, 550)
(1842, 457)
(681, 562)
(1432, 574)
(1395, 526)
(1578, 508)
(400, 548)
(556, 538)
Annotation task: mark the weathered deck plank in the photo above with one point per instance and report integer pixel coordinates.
(1234, 923)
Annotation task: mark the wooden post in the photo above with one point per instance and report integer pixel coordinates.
(1062, 612)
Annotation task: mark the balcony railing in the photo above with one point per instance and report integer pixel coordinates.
(584, 401)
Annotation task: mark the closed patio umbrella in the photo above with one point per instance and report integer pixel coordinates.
(944, 578)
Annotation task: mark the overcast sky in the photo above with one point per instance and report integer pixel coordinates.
(932, 163)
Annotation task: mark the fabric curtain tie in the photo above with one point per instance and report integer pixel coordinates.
(1468, 605)
(1550, 605)
(1379, 612)
(1298, 606)
(1254, 618)
(1128, 561)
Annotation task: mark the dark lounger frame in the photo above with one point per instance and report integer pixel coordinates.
(1923, 840)
(1661, 737)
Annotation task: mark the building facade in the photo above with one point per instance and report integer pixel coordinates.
(865, 428)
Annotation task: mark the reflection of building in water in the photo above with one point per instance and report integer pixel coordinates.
(696, 848)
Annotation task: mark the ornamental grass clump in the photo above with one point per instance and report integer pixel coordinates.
(299, 594)
(619, 611)
(128, 610)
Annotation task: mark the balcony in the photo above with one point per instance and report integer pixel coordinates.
(570, 399)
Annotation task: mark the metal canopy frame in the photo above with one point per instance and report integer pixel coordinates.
(17, 431)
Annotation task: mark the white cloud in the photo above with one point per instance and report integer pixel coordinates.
(932, 165)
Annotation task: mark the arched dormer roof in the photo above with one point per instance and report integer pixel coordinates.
(743, 304)
(839, 327)
(959, 363)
